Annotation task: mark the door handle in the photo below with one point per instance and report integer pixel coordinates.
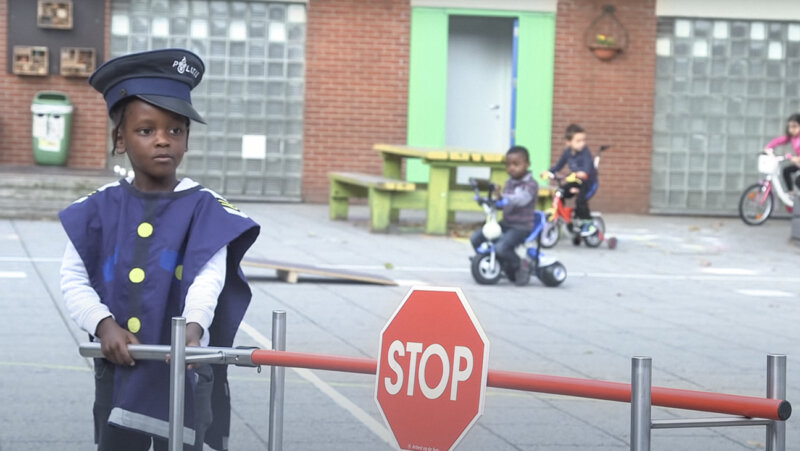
(494, 107)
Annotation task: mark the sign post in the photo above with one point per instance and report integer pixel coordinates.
(432, 369)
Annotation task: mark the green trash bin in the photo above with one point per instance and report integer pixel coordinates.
(52, 121)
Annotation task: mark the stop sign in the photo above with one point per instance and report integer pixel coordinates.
(432, 369)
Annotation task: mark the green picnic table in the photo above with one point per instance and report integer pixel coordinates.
(442, 197)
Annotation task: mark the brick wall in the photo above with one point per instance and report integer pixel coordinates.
(356, 95)
(356, 86)
(612, 100)
(88, 143)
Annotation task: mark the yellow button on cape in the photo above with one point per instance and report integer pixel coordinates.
(145, 229)
(134, 324)
(136, 275)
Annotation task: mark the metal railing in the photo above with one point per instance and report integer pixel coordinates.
(642, 395)
(771, 411)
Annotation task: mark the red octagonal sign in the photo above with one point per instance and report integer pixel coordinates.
(432, 369)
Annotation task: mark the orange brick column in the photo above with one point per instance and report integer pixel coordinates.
(356, 86)
(612, 100)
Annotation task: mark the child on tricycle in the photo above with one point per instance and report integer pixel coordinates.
(498, 245)
(518, 199)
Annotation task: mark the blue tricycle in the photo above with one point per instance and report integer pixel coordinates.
(487, 269)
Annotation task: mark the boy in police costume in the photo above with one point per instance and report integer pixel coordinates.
(149, 247)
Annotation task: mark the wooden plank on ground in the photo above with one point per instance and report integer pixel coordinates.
(289, 271)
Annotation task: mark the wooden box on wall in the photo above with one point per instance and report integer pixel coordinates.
(86, 18)
(77, 61)
(54, 14)
(30, 60)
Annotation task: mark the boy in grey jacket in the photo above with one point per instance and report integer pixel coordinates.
(518, 199)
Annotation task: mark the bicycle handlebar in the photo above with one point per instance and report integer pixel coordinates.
(778, 158)
(596, 158)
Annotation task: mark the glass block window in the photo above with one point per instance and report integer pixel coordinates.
(723, 89)
(252, 92)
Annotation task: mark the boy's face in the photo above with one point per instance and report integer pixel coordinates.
(577, 142)
(516, 165)
(155, 141)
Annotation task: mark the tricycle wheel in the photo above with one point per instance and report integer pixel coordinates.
(484, 271)
(553, 275)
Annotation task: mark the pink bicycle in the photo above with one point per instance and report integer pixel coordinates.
(758, 201)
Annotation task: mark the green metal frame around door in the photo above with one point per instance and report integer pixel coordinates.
(427, 86)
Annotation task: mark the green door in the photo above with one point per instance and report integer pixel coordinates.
(427, 94)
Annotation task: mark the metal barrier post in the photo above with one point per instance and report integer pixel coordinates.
(177, 382)
(641, 380)
(276, 383)
(776, 389)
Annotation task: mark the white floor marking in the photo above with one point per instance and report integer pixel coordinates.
(399, 268)
(685, 277)
(729, 271)
(28, 259)
(410, 282)
(707, 273)
(376, 427)
(638, 237)
(12, 275)
(767, 293)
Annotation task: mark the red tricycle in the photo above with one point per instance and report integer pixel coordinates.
(561, 217)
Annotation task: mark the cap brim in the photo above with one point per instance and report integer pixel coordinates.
(173, 104)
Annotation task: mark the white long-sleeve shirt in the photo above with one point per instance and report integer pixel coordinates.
(86, 309)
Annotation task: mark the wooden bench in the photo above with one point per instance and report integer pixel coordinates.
(379, 191)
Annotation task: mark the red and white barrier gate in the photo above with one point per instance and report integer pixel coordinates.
(446, 370)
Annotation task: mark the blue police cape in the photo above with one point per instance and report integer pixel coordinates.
(142, 251)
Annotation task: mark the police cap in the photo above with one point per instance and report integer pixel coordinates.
(162, 77)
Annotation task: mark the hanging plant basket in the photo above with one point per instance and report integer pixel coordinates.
(605, 53)
(606, 37)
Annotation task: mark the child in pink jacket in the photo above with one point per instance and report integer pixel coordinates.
(792, 137)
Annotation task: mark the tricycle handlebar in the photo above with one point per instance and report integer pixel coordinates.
(475, 184)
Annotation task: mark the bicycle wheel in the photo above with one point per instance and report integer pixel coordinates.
(599, 222)
(596, 238)
(550, 234)
(756, 204)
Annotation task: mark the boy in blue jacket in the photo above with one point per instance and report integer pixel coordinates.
(578, 158)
